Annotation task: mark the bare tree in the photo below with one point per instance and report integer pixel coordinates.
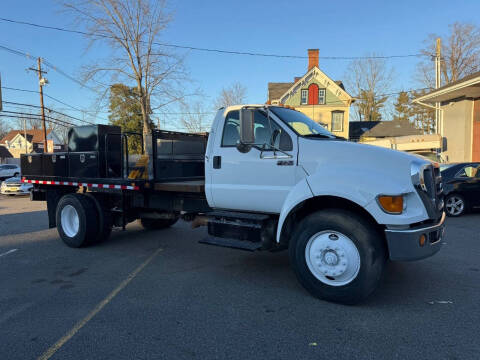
(195, 119)
(233, 95)
(369, 79)
(460, 54)
(4, 128)
(132, 28)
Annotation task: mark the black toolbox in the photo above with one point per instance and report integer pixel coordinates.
(105, 141)
(31, 164)
(179, 155)
(55, 164)
(83, 164)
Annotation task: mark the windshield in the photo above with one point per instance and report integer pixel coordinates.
(301, 123)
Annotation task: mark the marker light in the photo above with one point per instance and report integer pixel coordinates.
(422, 240)
(391, 204)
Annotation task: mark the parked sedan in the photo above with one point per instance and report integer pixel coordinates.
(9, 170)
(461, 185)
(14, 186)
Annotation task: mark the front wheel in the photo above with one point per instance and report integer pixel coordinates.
(338, 256)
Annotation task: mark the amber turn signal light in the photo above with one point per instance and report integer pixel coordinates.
(422, 240)
(391, 204)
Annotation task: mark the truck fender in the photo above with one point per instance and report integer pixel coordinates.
(299, 193)
(362, 186)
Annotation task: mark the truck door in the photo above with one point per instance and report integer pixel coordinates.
(245, 181)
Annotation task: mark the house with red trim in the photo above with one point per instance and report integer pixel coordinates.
(316, 95)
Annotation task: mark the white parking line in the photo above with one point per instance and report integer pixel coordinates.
(8, 252)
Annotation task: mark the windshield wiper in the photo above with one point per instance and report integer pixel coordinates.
(322, 136)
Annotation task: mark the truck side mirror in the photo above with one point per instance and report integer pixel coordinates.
(247, 133)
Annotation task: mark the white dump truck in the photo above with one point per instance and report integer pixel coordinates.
(265, 178)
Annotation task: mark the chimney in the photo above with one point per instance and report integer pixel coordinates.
(312, 58)
(296, 78)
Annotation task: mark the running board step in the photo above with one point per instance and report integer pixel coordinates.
(231, 243)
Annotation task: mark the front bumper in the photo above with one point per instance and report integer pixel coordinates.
(404, 245)
(19, 191)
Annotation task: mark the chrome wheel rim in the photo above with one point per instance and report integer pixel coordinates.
(332, 258)
(70, 221)
(455, 205)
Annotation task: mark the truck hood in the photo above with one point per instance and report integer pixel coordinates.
(365, 165)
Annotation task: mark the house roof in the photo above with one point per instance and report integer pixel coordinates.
(4, 153)
(380, 129)
(277, 89)
(33, 136)
(469, 86)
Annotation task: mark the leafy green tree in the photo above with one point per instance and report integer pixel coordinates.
(423, 117)
(369, 106)
(126, 112)
(403, 107)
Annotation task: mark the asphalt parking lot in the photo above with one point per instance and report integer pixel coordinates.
(161, 295)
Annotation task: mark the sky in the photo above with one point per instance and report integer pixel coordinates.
(336, 28)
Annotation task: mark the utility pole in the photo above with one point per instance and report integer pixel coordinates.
(41, 82)
(438, 80)
(25, 134)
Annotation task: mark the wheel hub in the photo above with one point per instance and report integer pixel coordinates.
(70, 221)
(332, 258)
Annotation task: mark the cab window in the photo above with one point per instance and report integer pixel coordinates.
(263, 132)
(231, 130)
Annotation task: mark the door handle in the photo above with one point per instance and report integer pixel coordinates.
(285, 162)
(217, 162)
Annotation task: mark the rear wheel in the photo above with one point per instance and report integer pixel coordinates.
(455, 205)
(338, 256)
(77, 221)
(157, 224)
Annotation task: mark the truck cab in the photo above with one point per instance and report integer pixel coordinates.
(275, 160)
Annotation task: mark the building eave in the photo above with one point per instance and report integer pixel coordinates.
(469, 88)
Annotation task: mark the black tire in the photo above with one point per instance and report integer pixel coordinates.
(87, 220)
(105, 219)
(454, 211)
(367, 240)
(158, 224)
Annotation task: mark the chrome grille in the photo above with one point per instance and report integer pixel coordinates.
(433, 187)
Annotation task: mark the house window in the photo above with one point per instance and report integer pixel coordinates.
(337, 120)
(304, 98)
(321, 96)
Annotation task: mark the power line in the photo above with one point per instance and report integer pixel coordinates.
(19, 115)
(51, 66)
(52, 98)
(221, 51)
(50, 110)
(38, 116)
